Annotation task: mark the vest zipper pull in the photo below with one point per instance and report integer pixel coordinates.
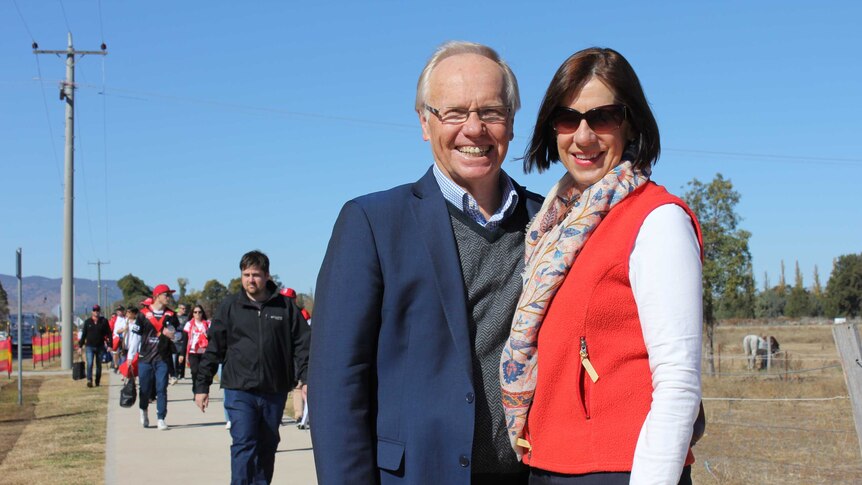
(585, 361)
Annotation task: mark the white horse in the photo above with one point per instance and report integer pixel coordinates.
(750, 345)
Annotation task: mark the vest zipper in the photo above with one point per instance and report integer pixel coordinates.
(587, 368)
(585, 361)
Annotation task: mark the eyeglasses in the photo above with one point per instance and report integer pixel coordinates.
(197, 311)
(456, 116)
(603, 119)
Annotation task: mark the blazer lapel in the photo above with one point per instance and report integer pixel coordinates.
(432, 217)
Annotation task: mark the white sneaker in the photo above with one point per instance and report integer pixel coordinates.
(173, 380)
(145, 420)
(162, 425)
(227, 425)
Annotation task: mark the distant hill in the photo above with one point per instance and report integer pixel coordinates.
(42, 295)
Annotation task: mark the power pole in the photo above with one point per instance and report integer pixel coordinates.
(20, 275)
(67, 94)
(99, 264)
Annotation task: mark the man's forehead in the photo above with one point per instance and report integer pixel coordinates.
(468, 76)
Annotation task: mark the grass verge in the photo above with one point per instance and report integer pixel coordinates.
(57, 436)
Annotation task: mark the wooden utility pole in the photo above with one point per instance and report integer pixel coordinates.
(67, 94)
(849, 345)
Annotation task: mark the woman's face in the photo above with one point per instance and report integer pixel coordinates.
(587, 155)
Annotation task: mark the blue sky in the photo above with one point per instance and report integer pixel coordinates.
(212, 128)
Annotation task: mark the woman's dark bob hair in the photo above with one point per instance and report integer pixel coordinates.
(612, 69)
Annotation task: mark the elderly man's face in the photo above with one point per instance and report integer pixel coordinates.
(469, 153)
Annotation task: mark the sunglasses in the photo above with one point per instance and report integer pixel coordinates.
(603, 119)
(197, 311)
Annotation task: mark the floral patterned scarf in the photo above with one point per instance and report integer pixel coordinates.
(554, 238)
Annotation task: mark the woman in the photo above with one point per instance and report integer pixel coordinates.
(196, 329)
(613, 279)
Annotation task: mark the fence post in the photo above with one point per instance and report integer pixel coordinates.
(719, 360)
(850, 350)
(768, 354)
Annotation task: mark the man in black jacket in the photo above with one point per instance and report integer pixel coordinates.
(257, 334)
(93, 338)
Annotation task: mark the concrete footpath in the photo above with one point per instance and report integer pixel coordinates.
(194, 449)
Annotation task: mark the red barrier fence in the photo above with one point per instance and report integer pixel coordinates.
(6, 356)
(45, 347)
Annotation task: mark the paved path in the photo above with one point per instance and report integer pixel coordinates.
(196, 447)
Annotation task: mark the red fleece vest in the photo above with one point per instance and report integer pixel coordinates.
(575, 425)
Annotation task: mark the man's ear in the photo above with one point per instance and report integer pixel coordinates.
(423, 121)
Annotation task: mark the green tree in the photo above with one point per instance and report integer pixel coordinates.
(782, 285)
(191, 298)
(799, 301)
(728, 285)
(770, 304)
(275, 279)
(182, 284)
(212, 295)
(134, 289)
(844, 288)
(818, 302)
(234, 286)
(305, 300)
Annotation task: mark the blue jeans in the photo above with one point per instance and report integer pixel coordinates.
(94, 353)
(153, 377)
(226, 415)
(255, 419)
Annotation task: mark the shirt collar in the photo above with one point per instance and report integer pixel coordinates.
(463, 201)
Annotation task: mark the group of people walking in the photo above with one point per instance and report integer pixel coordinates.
(435, 300)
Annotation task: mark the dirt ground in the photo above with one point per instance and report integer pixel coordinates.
(793, 424)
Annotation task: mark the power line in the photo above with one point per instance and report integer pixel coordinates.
(24, 21)
(101, 25)
(765, 155)
(63, 8)
(143, 96)
(80, 140)
(48, 122)
(105, 151)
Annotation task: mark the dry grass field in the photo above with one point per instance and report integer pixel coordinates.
(57, 436)
(767, 428)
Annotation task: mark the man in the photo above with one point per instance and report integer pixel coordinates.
(155, 326)
(181, 340)
(93, 339)
(416, 295)
(257, 333)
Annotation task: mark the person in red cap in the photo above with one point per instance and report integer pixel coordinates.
(93, 338)
(156, 328)
(260, 336)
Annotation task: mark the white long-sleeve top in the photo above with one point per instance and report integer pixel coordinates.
(666, 276)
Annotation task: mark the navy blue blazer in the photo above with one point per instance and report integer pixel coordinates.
(391, 392)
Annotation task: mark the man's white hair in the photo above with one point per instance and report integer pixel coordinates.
(456, 47)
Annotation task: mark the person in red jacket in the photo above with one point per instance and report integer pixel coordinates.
(196, 328)
(608, 391)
